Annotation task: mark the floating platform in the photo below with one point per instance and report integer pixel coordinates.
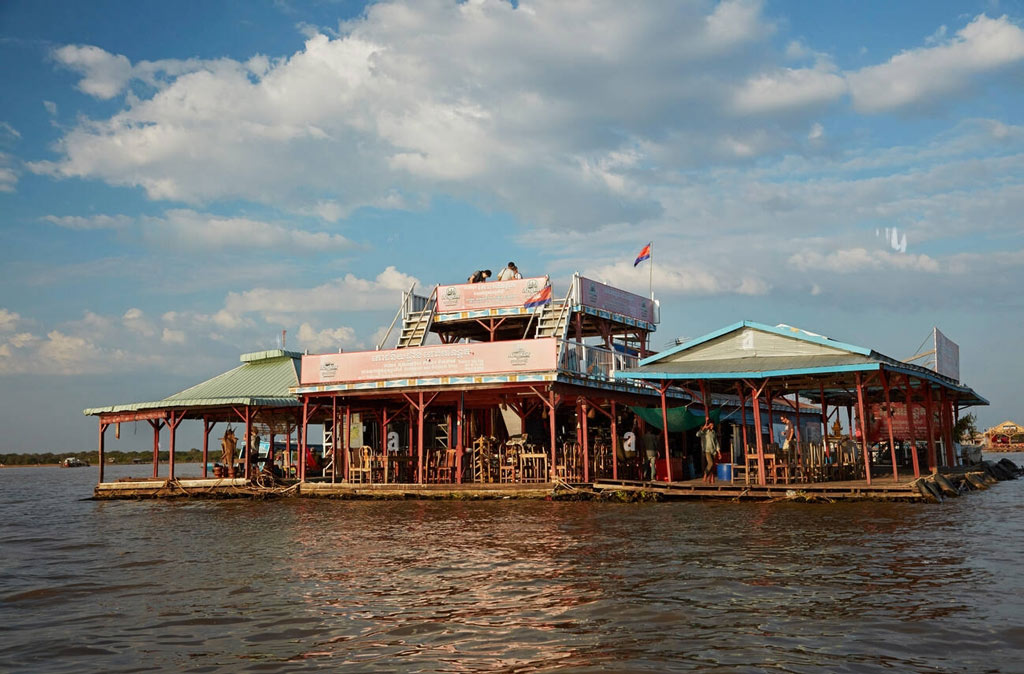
(951, 482)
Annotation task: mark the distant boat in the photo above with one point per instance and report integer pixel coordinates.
(72, 462)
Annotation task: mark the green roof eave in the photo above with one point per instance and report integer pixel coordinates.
(194, 402)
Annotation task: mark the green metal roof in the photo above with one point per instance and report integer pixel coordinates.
(263, 380)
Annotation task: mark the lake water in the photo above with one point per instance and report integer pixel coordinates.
(296, 584)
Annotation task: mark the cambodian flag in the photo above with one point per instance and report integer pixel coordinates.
(645, 254)
(543, 297)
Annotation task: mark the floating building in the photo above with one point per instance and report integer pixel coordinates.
(524, 390)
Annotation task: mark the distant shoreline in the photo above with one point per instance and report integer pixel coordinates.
(57, 465)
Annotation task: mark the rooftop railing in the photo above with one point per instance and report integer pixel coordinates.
(594, 362)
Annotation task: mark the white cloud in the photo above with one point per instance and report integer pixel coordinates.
(8, 177)
(680, 279)
(923, 74)
(89, 222)
(9, 320)
(104, 75)
(322, 341)
(349, 293)
(790, 88)
(190, 229)
(51, 108)
(136, 321)
(170, 336)
(858, 260)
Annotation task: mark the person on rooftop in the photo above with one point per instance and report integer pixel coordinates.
(480, 276)
(510, 273)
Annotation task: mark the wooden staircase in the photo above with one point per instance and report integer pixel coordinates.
(553, 319)
(416, 324)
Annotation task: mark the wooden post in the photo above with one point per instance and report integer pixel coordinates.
(459, 446)
(302, 439)
(771, 415)
(172, 427)
(615, 444)
(346, 442)
(756, 401)
(743, 420)
(888, 423)
(913, 431)
(100, 447)
(929, 421)
(156, 424)
(207, 427)
(551, 418)
(334, 438)
(664, 432)
(248, 441)
(947, 438)
(419, 438)
(863, 428)
(824, 423)
(586, 445)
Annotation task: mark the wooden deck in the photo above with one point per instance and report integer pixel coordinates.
(880, 489)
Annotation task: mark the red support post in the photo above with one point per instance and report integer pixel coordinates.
(756, 401)
(334, 438)
(172, 427)
(824, 421)
(460, 416)
(419, 439)
(888, 423)
(100, 447)
(662, 389)
(913, 431)
(743, 419)
(863, 428)
(947, 425)
(302, 439)
(615, 445)
(347, 434)
(156, 424)
(207, 427)
(771, 415)
(929, 422)
(586, 444)
(248, 441)
(552, 407)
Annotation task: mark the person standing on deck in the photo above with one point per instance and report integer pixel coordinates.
(788, 446)
(709, 443)
(510, 273)
(480, 276)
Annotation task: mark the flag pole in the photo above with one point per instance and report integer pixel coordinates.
(650, 279)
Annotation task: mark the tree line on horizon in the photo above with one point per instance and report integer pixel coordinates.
(114, 457)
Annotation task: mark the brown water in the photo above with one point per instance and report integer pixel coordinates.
(296, 584)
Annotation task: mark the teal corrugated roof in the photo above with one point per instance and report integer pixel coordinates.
(264, 380)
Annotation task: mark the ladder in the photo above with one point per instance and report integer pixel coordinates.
(416, 323)
(553, 318)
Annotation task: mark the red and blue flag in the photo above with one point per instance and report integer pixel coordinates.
(543, 297)
(645, 254)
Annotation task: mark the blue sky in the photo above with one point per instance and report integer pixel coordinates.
(181, 181)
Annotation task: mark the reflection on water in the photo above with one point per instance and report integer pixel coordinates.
(471, 586)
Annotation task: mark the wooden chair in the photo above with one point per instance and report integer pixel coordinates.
(446, 468)
(533, 467)
(360, 469)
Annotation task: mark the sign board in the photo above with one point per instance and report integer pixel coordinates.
(602, 296)
(445, 360)
(493, 295)
(947, 356)
(879, 432)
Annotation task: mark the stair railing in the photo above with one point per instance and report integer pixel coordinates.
(402, 308)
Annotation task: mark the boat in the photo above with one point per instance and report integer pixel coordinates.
(73, 462)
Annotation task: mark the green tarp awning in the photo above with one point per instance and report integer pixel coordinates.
(679, 418)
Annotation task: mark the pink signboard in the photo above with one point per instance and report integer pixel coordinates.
(445, 360)
(601, 296)
(492, 295)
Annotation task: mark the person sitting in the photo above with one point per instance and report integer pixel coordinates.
(509, 273)
(480, 276)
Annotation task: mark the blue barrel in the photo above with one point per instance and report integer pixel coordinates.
(725, 472)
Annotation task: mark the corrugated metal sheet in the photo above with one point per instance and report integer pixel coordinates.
(263, 382)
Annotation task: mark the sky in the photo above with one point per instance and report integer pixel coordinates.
(181, 181)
